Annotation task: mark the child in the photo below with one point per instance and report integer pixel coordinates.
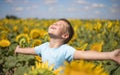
(57, 51)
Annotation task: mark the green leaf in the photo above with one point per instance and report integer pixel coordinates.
(117, 71)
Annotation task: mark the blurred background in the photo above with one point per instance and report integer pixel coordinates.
(81, 9)
(25, 22)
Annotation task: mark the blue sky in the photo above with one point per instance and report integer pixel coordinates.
(82, 9)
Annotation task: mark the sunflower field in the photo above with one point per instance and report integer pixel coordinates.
(100, 35)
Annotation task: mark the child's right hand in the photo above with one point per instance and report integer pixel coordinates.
(30, 51)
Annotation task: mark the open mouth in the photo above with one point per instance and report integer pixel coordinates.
(52, 27)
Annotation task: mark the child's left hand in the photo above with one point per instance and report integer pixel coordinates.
(115, 55)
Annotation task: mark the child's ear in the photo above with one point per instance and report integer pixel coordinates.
(66, 35)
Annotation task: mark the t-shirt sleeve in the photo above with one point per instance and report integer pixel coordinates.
(69, 53)
(38, 49)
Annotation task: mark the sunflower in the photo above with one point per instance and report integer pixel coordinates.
(83, 68)
(109, 24)
(3, 34)
(22, 36)
(23, 40)
(15, 28)
(97, 46)
(36, 42)
(35, 33)
(4, 43)
(98, 26)
(43, 33)
(43, 69)
(38, 58)
(89, 26)
(25, 29)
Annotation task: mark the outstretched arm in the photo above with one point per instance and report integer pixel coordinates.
(30, 51)
(94, 55)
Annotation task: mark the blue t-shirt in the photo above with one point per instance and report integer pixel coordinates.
(55, 56)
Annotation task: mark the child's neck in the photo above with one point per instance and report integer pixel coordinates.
(55, 43)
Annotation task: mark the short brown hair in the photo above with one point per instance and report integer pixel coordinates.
(70, 30)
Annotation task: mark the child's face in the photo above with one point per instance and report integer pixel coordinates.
(58, 29)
